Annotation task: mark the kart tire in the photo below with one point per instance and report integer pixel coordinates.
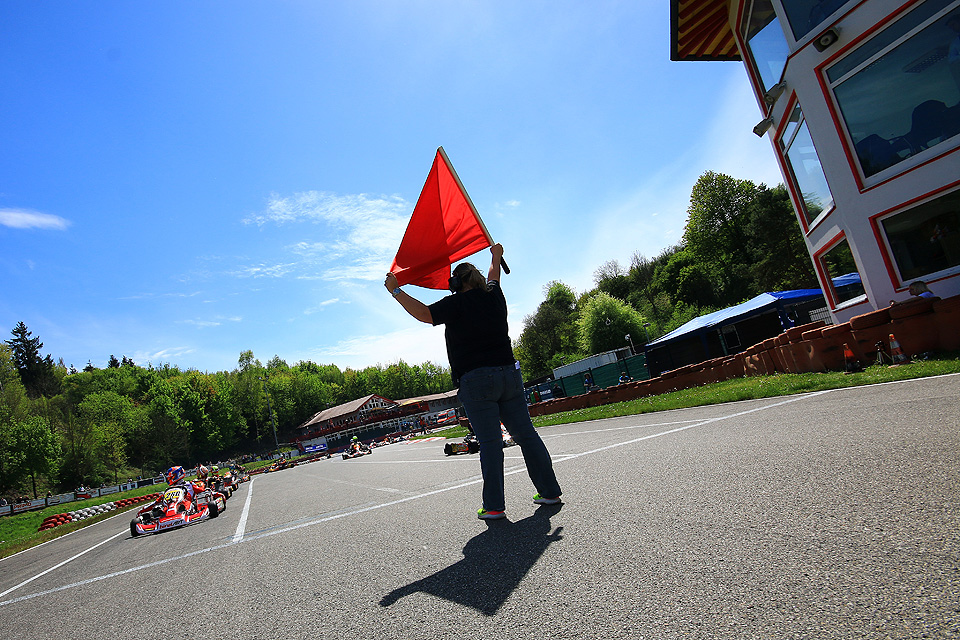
(133, 528)
(447, 450)
(214, 509)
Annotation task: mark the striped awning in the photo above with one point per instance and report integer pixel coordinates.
(700, 30)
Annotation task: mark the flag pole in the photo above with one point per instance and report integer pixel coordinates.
(473, 208)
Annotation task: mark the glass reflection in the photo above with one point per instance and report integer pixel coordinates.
(767, 45)
(909, 65)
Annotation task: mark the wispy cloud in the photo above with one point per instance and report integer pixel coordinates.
(320, 307)
(215, 322)
(163, 355)
(322, 206)
(365, 232)
(27, 219)
(264, 270)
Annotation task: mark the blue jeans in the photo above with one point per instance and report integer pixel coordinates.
(491, 395)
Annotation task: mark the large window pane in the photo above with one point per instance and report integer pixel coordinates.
(805, 166)
(768, 48)
(806, 15)
(838, 262)
(907, 64)
(925, 239)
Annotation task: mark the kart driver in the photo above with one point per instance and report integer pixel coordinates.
(202, 474)
(176, 477)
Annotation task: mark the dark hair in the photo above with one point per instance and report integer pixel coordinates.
(466, 275)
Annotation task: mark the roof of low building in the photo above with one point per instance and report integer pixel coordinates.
(344, 409)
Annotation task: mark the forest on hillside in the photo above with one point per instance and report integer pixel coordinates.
(60, 428)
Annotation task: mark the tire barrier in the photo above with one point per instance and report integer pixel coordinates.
(88, 512)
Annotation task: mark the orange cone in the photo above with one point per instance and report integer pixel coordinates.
(896, 353)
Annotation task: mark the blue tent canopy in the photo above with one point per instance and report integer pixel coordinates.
(754, 306)
(759, 304)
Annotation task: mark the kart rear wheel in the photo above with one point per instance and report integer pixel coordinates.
(133, 528)
(214, 509)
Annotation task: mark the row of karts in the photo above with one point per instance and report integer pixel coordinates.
(188, 501)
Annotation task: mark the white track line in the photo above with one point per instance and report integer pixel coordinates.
(242, 525)
(57, 566)
(368, 508)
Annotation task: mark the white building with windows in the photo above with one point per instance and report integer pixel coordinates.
(861, 102)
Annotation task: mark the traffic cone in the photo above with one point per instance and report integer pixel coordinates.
(850, 362)
(896, 353)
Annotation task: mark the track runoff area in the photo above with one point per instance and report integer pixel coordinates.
(819, 515)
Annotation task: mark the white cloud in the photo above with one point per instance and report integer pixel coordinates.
(163, 355)
(319, 307)
(264, 270)
(203, 324)
(366, 232)
(26, 219)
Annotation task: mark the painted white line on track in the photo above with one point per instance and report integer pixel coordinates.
(374, 507)
(242, 525)
(357, 484)
(701, 423)
(57, 566)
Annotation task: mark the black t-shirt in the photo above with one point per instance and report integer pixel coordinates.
(476, 329)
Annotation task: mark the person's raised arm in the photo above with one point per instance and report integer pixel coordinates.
(412, 306)
(496, 252)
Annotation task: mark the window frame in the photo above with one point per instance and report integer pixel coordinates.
(826, 278)
(914, 161)
(783, 145)
(893, 270)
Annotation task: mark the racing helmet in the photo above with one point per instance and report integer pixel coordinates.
(175, 475)
(202, 472)
(355, 438)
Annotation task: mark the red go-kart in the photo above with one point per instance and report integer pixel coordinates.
(179, 506)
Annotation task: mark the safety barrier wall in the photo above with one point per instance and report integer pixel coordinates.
(919, 325)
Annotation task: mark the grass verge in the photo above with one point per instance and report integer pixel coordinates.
(19, 532)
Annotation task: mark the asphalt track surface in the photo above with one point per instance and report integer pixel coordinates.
(826, 515)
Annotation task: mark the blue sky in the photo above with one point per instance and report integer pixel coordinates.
(183, 181)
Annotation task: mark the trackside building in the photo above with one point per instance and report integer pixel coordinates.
(860, 100)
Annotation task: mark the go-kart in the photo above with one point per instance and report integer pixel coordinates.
(222, 484)
(471, 445)
(175, 509)
(356, 452)
(279, 465)
(231, 481)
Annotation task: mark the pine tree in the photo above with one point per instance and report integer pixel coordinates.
(36, 372)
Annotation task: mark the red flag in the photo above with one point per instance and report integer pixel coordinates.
(444, 228)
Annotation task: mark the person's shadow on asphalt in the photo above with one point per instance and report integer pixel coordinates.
(493, 565)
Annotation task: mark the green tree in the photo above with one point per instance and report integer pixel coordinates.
(605, 321)
(550, 335)
(716, 236)
(36, 372)
(781, 261)
(39, 449)
(110, 419)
